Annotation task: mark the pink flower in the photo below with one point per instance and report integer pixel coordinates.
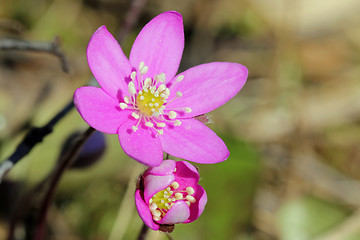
(170, 194)
(146, 104)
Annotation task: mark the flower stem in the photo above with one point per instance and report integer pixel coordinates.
(143, 232)
(65, 161)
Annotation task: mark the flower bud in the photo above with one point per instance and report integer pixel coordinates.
(170, 194)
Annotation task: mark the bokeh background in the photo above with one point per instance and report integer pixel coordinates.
(293, 130)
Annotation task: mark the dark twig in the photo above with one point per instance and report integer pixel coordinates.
(143, 232)
(131, 18)
(33, 137)
(48, 47)
(65, 162)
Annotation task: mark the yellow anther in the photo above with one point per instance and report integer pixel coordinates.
(175, 185)
(190, 190)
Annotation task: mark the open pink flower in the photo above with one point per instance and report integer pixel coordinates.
(150, 107)
(170, 194)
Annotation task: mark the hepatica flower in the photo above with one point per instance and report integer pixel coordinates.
(170, 194)
(150, 107)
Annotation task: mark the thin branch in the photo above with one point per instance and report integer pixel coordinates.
(65, 162)
(31, 139)
(131, 18)
(52, 47)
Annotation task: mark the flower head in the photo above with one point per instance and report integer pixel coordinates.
(150, 107)
(170, 194)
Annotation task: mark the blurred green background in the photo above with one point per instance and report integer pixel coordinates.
(293, 130)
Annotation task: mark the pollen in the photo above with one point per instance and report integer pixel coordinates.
(147, 101)
(163, 200)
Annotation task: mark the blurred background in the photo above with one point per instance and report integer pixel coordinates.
(293, 130)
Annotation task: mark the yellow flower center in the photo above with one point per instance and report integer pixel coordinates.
(163, 200)
(148, 103)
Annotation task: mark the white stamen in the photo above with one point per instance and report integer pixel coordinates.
(188, 110)
(144, 70)
(179, 196)
(123, 106)
(160, 132)
(142, 97)
(136, 116)
(175, 185)
(156, 114)
(153, 99)
(147, 82)
(167, 91)
(151, 104)
(134, 128)
(188, 203)
(160, 77)
(161, 88)
(126, 99)
(156, 219)
(153, 207)
(172, 115)
(179, 94)
(161, 125)
(156, 104)
(149, 124)
(175, 170)
(133, 75)
(131, 88)
(177, 123)
(190, 190)
(150, 201)
(180, 78)
(190, 198)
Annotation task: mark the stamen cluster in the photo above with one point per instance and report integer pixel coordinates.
(149, 97)
(170, 194)
(163, 200)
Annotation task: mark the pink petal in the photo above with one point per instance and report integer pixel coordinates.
(99, 110)
(195, 142)
(154, 184)
(208, 86)
(144, 211)
(160, 45)
(166, 167)
(197, 208)
(108, 63)
(186, 175)
(178, 213)
(141, 145)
